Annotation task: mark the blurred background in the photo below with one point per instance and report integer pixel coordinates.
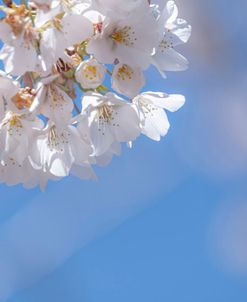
(166, 221)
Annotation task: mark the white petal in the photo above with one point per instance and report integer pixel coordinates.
(59, 166)
(6, 33)
(76, 29)
(156, 124)
(126, 123)
(172, 102)
(170, 60)
(102, 49)
(57, 106)
(102, 137)
(84, 171)
(180, 29)
(79, 148)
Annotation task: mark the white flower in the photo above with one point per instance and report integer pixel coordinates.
(53, 51)
(16, 136)
(90, 74)
(53, 102)
(130, 40)
(127, 80)
(62, 33)
(177, 31)
(56, 150)
(150, 106)
(102, 159)
(19, 52)
(110, 119)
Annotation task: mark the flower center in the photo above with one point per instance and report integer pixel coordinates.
(53, 139)
(57, 141)
(124, 36)
(125, 72)
(148, 108)
(90, 72)
(105, 113)
(165, 44)
(15, 121)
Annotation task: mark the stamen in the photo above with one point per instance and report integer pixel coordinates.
(124, 36)
(90, 72)
(125, 72)
(57, 141)
(105, 113)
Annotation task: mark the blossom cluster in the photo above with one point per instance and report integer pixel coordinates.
(56, 52)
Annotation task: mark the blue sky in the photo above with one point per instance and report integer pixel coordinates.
(165, 221)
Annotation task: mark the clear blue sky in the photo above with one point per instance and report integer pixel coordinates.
(165, 222)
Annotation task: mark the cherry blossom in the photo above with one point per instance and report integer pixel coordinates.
(110, 119)
(176, 31)
(151, 105)
(73, 80)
